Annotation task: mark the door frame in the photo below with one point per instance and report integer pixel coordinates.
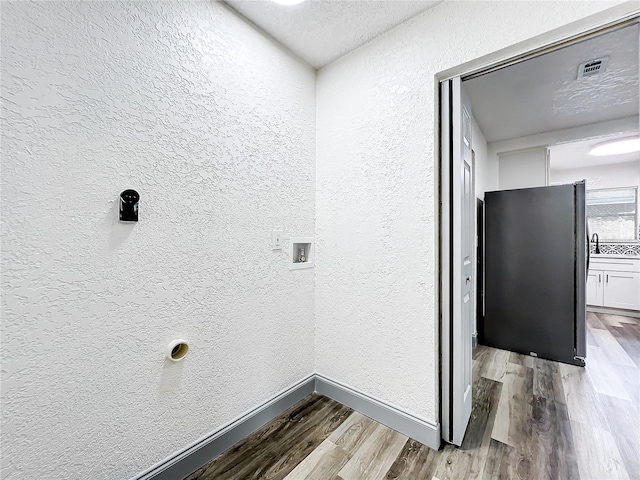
(608, 20)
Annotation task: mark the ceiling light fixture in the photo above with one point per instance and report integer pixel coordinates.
(288, 2)
(616, 147)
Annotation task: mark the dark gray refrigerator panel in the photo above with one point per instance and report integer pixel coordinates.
(532, 253)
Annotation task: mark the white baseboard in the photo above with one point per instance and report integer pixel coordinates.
(202, 451)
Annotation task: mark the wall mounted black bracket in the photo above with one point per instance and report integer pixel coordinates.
(129, 206)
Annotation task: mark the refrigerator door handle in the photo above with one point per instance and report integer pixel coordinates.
(588, 249)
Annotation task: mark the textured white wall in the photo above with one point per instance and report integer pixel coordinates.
(375, 223)
(214, 125)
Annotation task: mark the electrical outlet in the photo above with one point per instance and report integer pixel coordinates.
(276, 240)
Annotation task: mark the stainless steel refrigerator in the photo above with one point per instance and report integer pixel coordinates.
(536, 262)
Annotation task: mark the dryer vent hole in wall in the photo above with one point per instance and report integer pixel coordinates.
(177, 350)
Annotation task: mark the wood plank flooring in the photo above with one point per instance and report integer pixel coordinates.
(532, 419)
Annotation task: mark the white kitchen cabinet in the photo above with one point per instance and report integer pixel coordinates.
(614, 282)
(594, 288)
(622, 290)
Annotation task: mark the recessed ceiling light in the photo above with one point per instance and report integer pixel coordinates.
(616, 147)
(288, 2)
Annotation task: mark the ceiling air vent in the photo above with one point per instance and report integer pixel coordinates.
(593, 67)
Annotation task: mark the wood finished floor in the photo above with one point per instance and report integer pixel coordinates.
(532, 419)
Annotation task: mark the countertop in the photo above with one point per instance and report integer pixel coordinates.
(605, 256)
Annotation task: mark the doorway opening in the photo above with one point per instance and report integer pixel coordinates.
(528, 117)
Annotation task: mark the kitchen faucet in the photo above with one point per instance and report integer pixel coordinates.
(594, 238)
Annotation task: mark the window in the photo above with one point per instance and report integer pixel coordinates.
(613, 213)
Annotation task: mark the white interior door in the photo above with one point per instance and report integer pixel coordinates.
(458, 232)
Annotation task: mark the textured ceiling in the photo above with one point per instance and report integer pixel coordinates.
(543, 94)
(576, 154)
(319, 31)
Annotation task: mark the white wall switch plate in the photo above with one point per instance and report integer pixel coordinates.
(276, 240)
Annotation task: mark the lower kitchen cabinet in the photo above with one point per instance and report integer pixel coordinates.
(614, 287)
(622, 290)
(595, 288)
